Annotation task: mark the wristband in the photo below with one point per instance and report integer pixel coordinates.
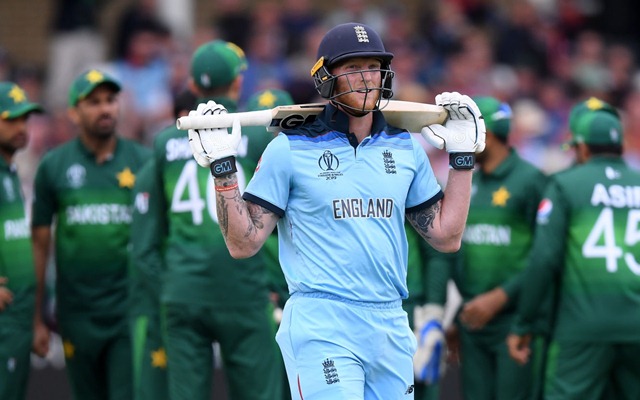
(226, 188)
(462, 160)
(223, 167)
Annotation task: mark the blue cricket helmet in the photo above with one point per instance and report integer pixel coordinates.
(346, 41)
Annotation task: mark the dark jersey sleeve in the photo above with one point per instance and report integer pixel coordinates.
(44, 200)
(148, 230)
(546, 257)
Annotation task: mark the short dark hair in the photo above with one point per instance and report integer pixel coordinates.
(184, 101)
(605, 149)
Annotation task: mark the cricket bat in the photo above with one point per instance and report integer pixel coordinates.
(407, 115)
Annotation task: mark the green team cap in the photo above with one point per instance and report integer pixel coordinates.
(258, 136)
(14, 102)
(497, 115)
(267, 99)
(84, 84)
(597, 127)
(590, 104)
(216, 64)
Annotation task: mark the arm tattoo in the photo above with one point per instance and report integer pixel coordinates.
(422, 220)
(254, 213)
(222, 202)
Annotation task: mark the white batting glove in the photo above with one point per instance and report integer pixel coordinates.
(463, 134)
(429, 362)
(211, 145)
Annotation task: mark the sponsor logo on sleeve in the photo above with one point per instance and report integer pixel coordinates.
(544, 211)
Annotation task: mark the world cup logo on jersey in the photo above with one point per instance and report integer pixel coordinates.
(76, 175)
(8, 189)
(329, 164)
(328, 161)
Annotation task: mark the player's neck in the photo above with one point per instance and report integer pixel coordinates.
(102, 147)
(361, 126)
(493, 160)
(7, 155)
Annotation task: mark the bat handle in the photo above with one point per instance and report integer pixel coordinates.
(249, 118)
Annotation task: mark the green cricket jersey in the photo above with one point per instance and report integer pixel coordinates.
(588, 234)
(427, 271)
(148, 230)
(91, 204)
(199, 268)
(499, 229)
(16, 255)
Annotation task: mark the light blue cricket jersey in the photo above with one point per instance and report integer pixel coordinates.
(342, 208)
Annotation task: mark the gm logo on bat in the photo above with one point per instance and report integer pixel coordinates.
(292, 121)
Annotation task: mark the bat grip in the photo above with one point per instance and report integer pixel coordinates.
(249, 118)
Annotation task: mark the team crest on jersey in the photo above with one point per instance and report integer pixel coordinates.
(611, 173)
(330, 372)
(126, 178)
(329, 164)
(544, 211)
(76, 175)
(389, 162)
(11, 364)
(8, 189)
(499, 197)
(142, 202)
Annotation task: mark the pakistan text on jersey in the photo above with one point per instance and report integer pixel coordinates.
(495, 235)
(616, 196)
(361, 208)
(98, 214)
(16, 229)
(178, 149)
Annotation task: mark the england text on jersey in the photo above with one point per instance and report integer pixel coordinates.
(361, 208)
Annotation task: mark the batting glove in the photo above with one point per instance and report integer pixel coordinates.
(429, 362)
(215, 148)
(462, 135)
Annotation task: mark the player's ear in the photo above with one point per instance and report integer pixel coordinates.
(191, 84)
(72, 113)
(236, 86)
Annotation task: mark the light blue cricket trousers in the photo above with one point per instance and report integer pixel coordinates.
(337, 349)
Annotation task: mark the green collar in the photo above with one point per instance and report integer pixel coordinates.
(91, 155)
(230, 104)
(506, 166)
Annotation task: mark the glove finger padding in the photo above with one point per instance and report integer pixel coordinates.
(208, 145)
(429, 133)
(195, 142)
(464, 130)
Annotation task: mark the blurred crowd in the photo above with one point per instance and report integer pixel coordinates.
(540, 56)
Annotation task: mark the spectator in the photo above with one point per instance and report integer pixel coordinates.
(76, 44)
(144, 71)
